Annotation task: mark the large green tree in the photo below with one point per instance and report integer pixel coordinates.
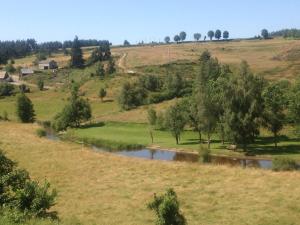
(167, 39)
(275, 103)
(25, 111)
(244, 106)
(74, 113)
(177, 38)
(265, 33)
(225, 34)
(175, 120)
(76, 54)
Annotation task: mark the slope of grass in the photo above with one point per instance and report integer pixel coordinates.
(100, 188)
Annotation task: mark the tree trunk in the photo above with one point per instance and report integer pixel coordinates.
(177, 139)
(200, 136)
(208, 140)
(151, 135)
(275, 139)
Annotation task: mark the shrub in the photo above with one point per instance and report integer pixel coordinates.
(6, 89)
(166, 208)
(204, 155)
(25, 111)
(284, 164)
(41, 132)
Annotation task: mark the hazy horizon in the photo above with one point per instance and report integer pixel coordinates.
(142, 21)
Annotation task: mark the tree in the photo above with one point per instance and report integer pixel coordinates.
(294, 104)
(175, 121)
(182, 36)
(74, 113)
(197, 36)
(10, 67)
(167, 39)
(6, 89)
(40, 84)
(218, 34)
(76, 54)
(152, 118)
(243, 106)
(131, 96)
(25, 111)
(126, 43)
(210, 34)
(100, 71)
(166, 208)
(176, 38)
(275, 103)
(225, 34)
(265, 33)
(102, 93)
(111, 67)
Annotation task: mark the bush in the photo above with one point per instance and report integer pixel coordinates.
(284, 164)
(204, 155)
(25, 111)
(41, 132)
(6, 89)
(166, 208)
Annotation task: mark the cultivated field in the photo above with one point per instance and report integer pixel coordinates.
(100, 188)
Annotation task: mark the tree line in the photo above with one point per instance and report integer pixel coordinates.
(197, 36)
(286, 33)
(23, 48)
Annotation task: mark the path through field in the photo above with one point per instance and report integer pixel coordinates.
(122, 64)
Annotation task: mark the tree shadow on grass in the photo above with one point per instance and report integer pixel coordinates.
(92, 125)
(265, 145)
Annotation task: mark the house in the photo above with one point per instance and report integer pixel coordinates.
(25, 71)
(4, 76)
(48, 64)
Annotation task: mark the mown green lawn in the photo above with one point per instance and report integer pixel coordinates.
(139, 134)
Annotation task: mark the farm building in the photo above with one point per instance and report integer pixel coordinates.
(47, 64)
(25, 71)
(4, 76)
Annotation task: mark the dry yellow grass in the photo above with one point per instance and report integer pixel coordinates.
(100, 188)
(258, 53)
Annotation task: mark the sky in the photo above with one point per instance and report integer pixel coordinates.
(138, 20)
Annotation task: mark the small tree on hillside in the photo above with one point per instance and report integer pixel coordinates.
(102, 93)
(25, 111)
(167, 39)
(111, 67)
(100, 71)
(265, 33)
(126, 43)
(225, 34)
(166, 208)
(197, 36)
(175, 121)
(76, 54)
(182, 36)
(218, 34)
(176, 38)
(210, 34)
(40, 84)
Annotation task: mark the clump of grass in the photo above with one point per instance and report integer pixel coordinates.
(41, 132)
(284, 164)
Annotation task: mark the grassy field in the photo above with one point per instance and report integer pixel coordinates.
(100, 188)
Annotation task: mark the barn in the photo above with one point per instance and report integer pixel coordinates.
(4, 76)
(48, 64)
